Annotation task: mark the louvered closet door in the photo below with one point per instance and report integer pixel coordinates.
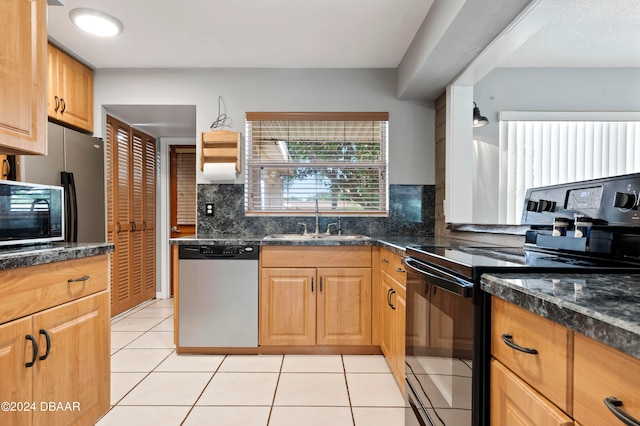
(136, 252)
(149, 216)
(118, 215)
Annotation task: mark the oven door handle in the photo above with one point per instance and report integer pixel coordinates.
(452, 285)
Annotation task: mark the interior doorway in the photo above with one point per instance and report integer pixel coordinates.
(182, 193)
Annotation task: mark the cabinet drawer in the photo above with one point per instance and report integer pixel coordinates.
(391, 264)
(602, 372)
(549, 371)
(514, 403)
(315, 257)
(34, 288)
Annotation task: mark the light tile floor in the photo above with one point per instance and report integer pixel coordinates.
(152, 385)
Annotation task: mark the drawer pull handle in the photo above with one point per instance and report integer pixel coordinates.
(400, 270)
(385, 261)
(46, 336)
(35, 351)
(75, 280)
(614, 404)
(507, 338)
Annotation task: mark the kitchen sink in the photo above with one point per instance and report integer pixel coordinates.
(312, 237)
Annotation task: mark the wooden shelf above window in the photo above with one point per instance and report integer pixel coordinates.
(220, 146)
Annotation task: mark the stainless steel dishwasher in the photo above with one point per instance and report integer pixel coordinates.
(218, 296)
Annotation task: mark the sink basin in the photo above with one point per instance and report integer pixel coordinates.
(312, 237)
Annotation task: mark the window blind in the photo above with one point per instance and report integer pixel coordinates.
(540, 153)
(340, 159)
(186, 186)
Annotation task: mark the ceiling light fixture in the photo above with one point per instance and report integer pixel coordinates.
(96, 22)
(478, 119)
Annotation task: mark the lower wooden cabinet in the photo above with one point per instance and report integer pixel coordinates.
(315, 306)
(55, 362)
(514, 403)
(602, 372)
(393, 313)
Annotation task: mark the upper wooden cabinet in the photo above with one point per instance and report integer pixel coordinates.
(69, 90)
(23, 40)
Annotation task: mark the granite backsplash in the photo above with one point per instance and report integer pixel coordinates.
(411, 212)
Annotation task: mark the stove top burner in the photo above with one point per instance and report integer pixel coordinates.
(471, 261)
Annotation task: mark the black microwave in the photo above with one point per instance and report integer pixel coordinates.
(30, 213)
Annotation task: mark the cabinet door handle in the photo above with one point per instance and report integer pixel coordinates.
(385, 261)
(508, 340)
(57, 103)
(614, 404)
(6, 163)
(320, 284)
(144, 225)
(48, 338)
(391, 295)
(64, 106)
(118, 227)
(133, 226)
(311, 284)
(400, 270)
(35, 351)
(75, 280)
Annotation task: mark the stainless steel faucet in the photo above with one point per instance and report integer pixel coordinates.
(317, 232)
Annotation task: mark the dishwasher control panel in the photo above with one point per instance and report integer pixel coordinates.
(218, 252)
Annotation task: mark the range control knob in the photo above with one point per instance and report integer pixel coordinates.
(624, 200)
(546, 206)
(532, 206)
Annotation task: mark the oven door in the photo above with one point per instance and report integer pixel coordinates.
(440, 332)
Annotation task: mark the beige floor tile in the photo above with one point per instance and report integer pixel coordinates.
(121, 383)
(312, 364)
(378, 416)
(120, 339)
(137, 360)
(311, 416)
(365, 364)
(162, 303)
(204, 363)
(136, 324)
(312, 389)
(374, 390)
(248, 363)
(240, 389)
(152, 312)
(153, 340)
(228, 416)
(144, 416)
(168, 389)
(165, 325)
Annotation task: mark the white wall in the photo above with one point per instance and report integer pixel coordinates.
(411, 123)
(539, 89)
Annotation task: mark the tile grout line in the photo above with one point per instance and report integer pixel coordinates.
(275, 392)
(203, 389)
(344, 370)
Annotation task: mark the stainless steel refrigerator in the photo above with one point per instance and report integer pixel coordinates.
(76, 162)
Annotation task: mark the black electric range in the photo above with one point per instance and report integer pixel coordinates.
(448, 316)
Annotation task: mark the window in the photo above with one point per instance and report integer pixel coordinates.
(294, 159)
(546, 151)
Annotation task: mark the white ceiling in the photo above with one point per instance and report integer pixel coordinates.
(246, 33)
(587, 33)
(337, 34)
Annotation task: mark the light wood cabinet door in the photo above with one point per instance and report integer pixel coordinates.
(16, 383)
(399, 342)
(76, 367)
(549, 370)
(69, 90)
(387, 326)
(23, 41)
(603, 372)
(514, 403)
(344, 306)
(288, 306)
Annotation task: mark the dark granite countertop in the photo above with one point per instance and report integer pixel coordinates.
(604, 307)
(37, 255)
(396, 244)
